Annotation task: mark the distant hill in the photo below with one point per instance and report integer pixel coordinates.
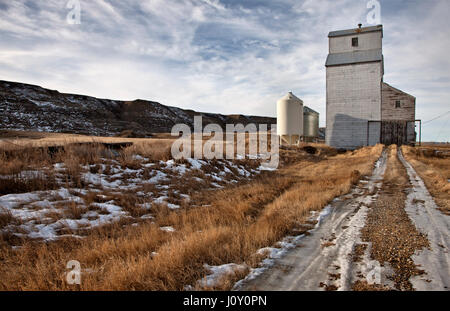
(33, 108)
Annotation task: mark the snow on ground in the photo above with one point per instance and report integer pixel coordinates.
(272, 254)
(218, 273)
(44, 214)
(168, 229)
(306, 258)
(425, 215)
(36, 223)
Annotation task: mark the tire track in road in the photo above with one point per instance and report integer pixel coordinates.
(325, 259)
(427, 218)
(326, 254)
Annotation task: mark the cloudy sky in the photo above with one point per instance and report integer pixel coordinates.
(225, 56)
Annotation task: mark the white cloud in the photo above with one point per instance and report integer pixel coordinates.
(219, 56)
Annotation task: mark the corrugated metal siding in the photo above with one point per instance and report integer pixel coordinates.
(356, 57)
(307, 109)
(310, 123)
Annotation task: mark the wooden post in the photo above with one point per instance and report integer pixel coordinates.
(420, 135)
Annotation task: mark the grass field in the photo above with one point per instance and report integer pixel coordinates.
(138, 220)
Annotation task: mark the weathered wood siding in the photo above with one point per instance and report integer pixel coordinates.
(367, 41)
(353, 98)
(407, 110)
(396, 132)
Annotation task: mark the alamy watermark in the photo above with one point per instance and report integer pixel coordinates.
(73, 277)
(235, 135)
(374, 15)
(74, 15)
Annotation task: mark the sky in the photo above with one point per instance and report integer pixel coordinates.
(222, 56)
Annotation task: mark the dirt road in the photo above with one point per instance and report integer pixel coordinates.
(334, 257)
(425, 215)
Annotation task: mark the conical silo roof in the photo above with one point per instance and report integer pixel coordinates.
(291, 97)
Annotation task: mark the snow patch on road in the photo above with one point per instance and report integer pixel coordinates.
(313, 263)
(425, 215)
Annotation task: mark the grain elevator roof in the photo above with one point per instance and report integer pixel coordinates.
(354, 31)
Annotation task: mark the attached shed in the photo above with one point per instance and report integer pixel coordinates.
(396, 104)
(398, 116)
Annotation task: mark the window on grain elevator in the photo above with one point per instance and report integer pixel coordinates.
(355, 42)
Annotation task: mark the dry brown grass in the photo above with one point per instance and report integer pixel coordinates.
(155, 150)
(224, 226)
(89, 149)
(435, 172)
(34, 156)
(6, 218)
(74, 211)
(39, 163)
(30, 139)
(18, 184)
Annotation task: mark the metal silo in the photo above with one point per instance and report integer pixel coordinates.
(310, 124)
(290, 119)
